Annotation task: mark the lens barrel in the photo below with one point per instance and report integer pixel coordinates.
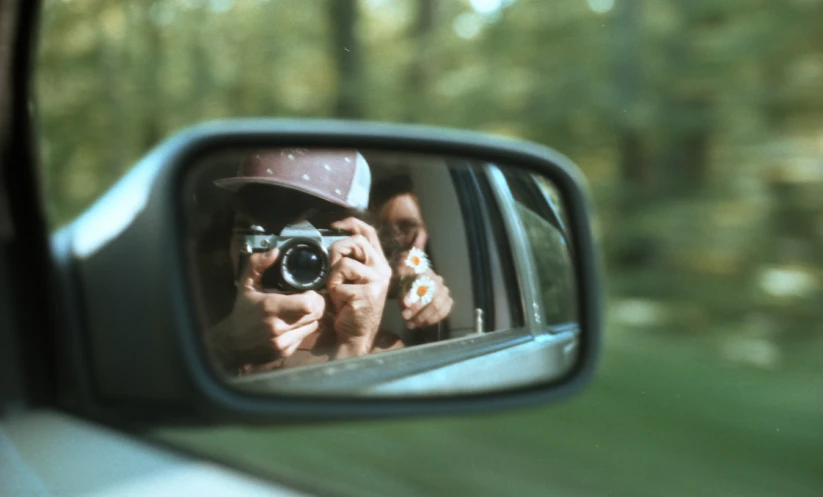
(304, 265)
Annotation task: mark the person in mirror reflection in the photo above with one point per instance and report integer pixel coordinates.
(271, 327)
(403, 233)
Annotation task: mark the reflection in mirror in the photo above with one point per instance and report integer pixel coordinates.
(367, 272)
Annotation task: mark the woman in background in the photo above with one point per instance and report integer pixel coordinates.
(424, 299)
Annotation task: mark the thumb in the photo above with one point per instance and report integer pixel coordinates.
(257, 264)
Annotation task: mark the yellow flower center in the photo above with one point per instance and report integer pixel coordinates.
(422, 290)
(415, 260)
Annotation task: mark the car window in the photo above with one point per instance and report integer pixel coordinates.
(496, 263)
(553, 199)
(697, 124)
(538, 206)
(554, 268)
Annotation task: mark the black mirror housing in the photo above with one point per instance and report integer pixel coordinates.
(129, 325)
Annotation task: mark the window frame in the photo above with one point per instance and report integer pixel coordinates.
(543, 204)
(528, 194)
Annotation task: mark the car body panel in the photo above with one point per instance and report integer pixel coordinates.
(49, 453)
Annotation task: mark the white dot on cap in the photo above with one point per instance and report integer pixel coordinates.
(347, 159)
(337, 191)
(269, 171)
(326, 167)
(291, 156)
(306, 177)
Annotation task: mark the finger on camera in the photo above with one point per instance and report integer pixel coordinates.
(358, 227)
(345, 294)
(355, 247)
(286, 322)
(348, 270)
(291, 349)
(292, 339)
(294, 307)
(257, 264)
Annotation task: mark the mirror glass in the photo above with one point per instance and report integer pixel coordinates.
(346, 272)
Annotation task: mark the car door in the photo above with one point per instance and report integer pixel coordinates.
(43, 449)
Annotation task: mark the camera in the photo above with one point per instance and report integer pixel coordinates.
(303, 262)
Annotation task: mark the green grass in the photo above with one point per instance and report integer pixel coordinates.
(666, 416)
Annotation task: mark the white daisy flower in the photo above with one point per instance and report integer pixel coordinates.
(422, 291)
(417, 260)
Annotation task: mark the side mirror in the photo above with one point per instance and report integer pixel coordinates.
(260, 269)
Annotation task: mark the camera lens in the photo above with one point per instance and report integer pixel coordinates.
(304, 265)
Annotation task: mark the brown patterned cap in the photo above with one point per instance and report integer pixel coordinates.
(341, 176)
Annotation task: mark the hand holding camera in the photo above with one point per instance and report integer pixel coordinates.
(346, 260)
(264, 326)
(289, 273)
(358, 283)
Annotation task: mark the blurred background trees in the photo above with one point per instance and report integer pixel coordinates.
(699, 124)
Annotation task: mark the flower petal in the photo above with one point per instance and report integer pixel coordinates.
(422, 291)
(417, 260)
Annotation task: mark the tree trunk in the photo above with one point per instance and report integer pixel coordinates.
(634, 167)
(686, 120)
(111, 69)
(345, 50)
(631, 247)
(150, 89)
(684, 158)
(418, 77)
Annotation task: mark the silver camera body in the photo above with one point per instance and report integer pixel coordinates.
(303, 260)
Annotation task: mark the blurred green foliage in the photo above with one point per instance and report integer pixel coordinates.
(699, 125)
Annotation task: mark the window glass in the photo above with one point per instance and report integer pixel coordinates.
(553, 199)
(540, 195)
(539, 207)
(554, 267)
